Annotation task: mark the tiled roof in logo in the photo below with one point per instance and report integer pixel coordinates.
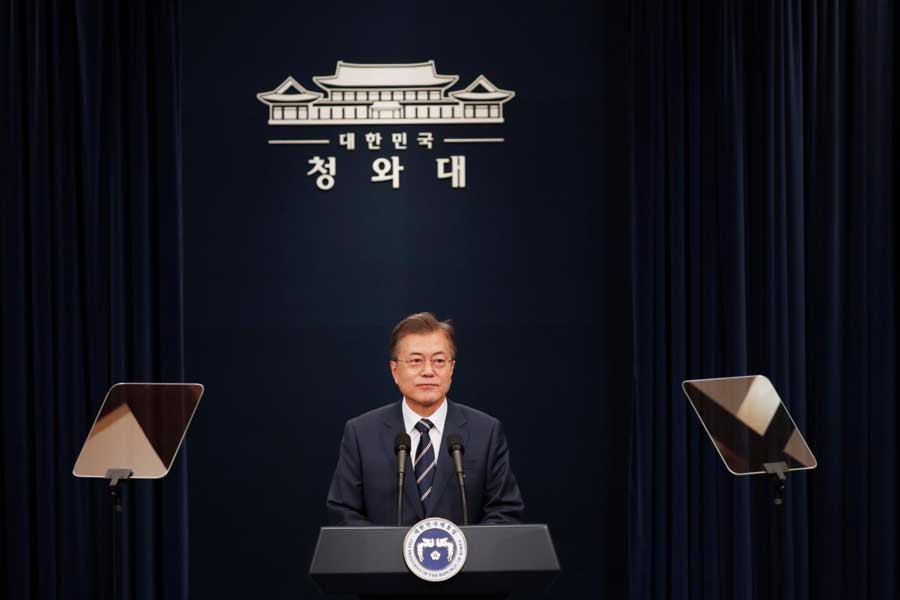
(412, 75)
(482, 90)
(289, 91)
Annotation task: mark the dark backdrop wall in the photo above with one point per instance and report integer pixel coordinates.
(687, 189)
(291, 292)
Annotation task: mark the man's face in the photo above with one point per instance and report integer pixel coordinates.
(423, 386)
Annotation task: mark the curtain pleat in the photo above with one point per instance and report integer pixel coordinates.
(763, 201)
(90, 285)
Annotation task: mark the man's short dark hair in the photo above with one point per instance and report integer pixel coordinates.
(422, 323)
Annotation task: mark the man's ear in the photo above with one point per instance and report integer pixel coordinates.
(393, 365)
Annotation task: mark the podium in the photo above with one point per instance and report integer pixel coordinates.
(368, 561)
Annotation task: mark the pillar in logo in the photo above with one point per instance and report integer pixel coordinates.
(360, 94)
(435, 549)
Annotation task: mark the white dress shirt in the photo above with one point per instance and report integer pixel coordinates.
(438, 418)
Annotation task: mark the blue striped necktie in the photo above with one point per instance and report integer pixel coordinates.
(425, 462)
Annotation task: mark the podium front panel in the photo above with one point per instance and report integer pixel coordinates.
(501, 559)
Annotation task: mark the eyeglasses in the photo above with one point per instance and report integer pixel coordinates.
(416, 364)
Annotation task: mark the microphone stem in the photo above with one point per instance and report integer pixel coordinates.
(400, 499)
(462, 493)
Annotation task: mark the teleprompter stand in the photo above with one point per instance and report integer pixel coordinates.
(136, 435)
(778, 481)
(115, 477)
(754, 434)
(368, 562)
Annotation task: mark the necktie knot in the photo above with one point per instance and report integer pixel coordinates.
(424, 426)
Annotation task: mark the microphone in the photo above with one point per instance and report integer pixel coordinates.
(401, 449)
(456, 449)
(402, 444)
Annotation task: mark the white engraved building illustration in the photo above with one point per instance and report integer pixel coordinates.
(360, 94)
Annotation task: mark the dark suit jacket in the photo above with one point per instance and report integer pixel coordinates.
(364, 487)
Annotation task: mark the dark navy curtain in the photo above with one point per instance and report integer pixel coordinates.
(90, 284)
(764, 190)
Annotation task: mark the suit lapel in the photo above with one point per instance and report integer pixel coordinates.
(444, 470)
(411, 501)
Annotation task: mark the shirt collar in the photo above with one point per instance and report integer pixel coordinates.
(438, 418)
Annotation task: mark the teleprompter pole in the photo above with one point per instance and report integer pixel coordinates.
(778, 477)
(116, 476)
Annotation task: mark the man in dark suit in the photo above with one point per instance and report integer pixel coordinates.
(364, 486)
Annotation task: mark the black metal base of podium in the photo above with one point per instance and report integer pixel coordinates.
(368, 561)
